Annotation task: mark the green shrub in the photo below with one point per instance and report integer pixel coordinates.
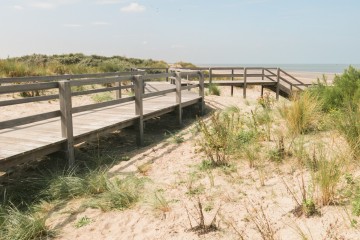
(303, 115)
(23, 226)
(214, 89)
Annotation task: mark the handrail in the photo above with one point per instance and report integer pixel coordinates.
(64, 77)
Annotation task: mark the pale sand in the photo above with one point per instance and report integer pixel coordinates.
(232, 192)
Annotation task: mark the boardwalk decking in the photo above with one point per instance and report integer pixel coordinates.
(25, 139)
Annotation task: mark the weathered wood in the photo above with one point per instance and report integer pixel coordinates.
(178, 98)
(100, 80)
(158, 93)
(278, 84)
(139, 108)
(28, 87)
(64, 77)
(106, 89)
(201, 93)
(188, 87)
(28, 100)
(245, 86)
(118, 91)
(232, 79)
(29, 119)
(158, 75)
(210, 75)
(66, 120)
(102, 104)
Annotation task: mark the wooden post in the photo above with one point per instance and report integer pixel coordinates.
(232, 79)
(167, 71)
(178, 97)
(201, 93)
(210, 75)
(139, 108)
(118, 92)
(262, 78)
(66, 120)
(245, 85)
(277, 84)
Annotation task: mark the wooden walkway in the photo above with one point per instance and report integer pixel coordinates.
(25, 139)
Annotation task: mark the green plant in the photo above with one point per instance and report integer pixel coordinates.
(303, 115)
(214, 89)
(175, 138)
(24, 226)
(218, 136)
(121, 194)
(266, 101)
(83, 222)
(160, 203)
(327, 178)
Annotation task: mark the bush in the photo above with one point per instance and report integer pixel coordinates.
(303, 115)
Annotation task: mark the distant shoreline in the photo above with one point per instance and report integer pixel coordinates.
(312, 68)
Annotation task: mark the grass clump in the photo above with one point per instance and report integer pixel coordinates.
(120, 194)
(218, 136)
(303, 115)
(214, 89)
(23, 226)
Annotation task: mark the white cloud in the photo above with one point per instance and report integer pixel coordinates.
(100, 23)
(18, 7)
(104, 2)
(51, 4)
(43, 5)
(72, 25)
(145, 42)
(133, 8)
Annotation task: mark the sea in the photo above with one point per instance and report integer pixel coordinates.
(318, 68)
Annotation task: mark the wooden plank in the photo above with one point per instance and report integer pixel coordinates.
(101, 80)
(139, 109)
(29, 119)
(28, 100)
(101, 105)
(64, 77)
(106, 89)
(28, 87)
(158, 75)
(190, 87)
(159, 93)
(178, 98)
(66, 120)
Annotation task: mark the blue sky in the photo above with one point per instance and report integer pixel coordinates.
(199, 31)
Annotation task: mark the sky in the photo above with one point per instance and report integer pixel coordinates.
(197, 31)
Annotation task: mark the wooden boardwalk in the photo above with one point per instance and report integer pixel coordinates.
(28, 138)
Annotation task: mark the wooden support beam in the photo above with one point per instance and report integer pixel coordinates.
(245, 85)
(201, 93)
(66, 120)
(210, 75)
(167, 71)
(232, 79)
(118, 92)
(139, 108)
(278, 83)
(178, 98)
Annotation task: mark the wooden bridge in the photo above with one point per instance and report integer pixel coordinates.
(28, 138)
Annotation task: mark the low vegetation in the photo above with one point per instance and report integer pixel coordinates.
(303, 152)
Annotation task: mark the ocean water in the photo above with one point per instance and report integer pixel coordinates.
(319, 68)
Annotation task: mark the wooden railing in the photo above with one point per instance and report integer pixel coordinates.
(280, 77)
(133, 80)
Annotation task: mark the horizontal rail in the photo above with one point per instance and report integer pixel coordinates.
(64, 77)
(28, 87)
(101, 80)
(158, 93)
(190, 87)
(100, 105)
(158, 75)
(190, 74)
(28, 100)
(292, 77)
(109, 89)
(29, 119)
